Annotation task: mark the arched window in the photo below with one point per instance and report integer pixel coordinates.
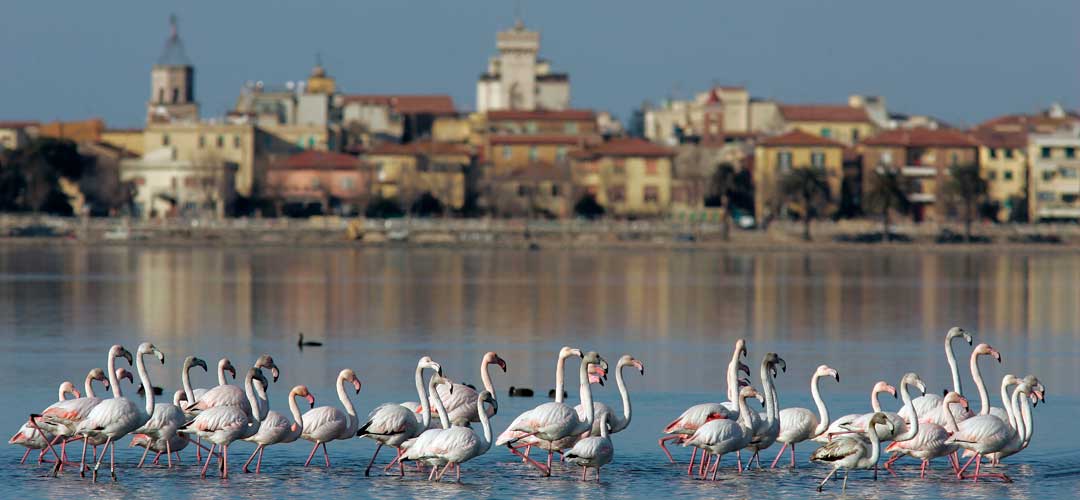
(160, 95)
(175, 95)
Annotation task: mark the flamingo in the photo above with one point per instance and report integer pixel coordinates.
(223, 425)
(900, 430)
(224, 365)
(28, 435)
(800, 424)
(554, 421)
(1003, 413)
(850, 452)
(59, 419)
(696, 416)
(231, 395)
(117, 417)
(615, 421)
(721, 436)
(559, 394)
(768, 425)
(594, 451)
(418, 449)
(461, 402)
(1019, 420)
(928, 439)
(392, 424)
(983, 434)
(848, 423)
(275, 428)
(177, 443)
(327, 423)
(935, 414)
(168, 417)
(929, 401)
(459, 444)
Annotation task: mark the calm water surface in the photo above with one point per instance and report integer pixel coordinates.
(871, 315)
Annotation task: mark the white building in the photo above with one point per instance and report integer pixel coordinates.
(168, 187)
(1054, 176)
(518, 79)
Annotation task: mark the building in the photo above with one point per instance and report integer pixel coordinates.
(129, 139)
(172, 83)
(722, 114)
(845, 124)
(372, 118)
(76, 131)
(17, 134)
(776, 156)
(924, 157)
(630, 177)
(518, 79)
(201, 143)
(507, 153)
(1054, 177)
(537, 190)
(318, 182)
(168, 186)
(406, 171)
(1003, 163)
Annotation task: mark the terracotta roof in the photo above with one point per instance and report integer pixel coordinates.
(436, 104)
(537, 172)
(536, 139)
(414, 148)
(18, 124)
(627, 147)
(799, 138)
(822, 113)
(1029, 123)
(540, 115)
(994, 139)
(922, 137)
(319, 160)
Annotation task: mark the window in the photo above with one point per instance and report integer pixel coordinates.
(954, 159)
(651, 168)
(1047, 175)
(1070, 198)
(652, 194)
(533, 153)
(555, 190)
(1046, 196)
(817, 159)
(160, 95)
(991, 175)
(507, 152)
(783, 161)
(1070, 152)
(620, 167)
(993, 153)
(854, 135)
(220, 141)
(523, 190)
(347, 183)
(1045, 152)
(826, 132)
(236, 141)
(190, 182)
(616, 194)
(530, 127)
(1067, 172)
(175, 95)
(570, 128)
(202, 141)
(1008, 153)
(164, 139)
(560, 153)
(1008, 175)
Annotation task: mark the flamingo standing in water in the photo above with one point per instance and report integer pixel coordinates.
(417, 449)
(223, 425)
(593, 451)
(559, 394)
(721, 436)
(1021, 421)
(697, 415)
(275, 428)
(928, 440)
(460, 400)
(231, 395)
(63, 415)
(327, 423)
(167, 418)
(554, 421)
(768, 424)
(459, 444)
(32, 439)
(843, 425)
(927, 402)
(391, 424)
(615, 421)
(850, 452)
(117, 417)
(800, 424)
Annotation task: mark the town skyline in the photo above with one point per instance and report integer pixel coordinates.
(606, 78)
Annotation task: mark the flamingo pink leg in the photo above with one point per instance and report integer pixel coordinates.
(312, 454)
(326, 455)
(252, 457)
(778, 455)
(664, 446)
(143, 459)
(367, 471)
(157, 459)
(23, 461)
(209, 456)
(258, 463)
(534, 463)
(690, 468)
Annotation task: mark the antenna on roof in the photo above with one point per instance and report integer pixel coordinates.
(173, 30)
(318, 58)
(519, 21)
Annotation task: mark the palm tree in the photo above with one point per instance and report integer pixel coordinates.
(887, 192)
(809, 187)
(966, 187)
(722, 187)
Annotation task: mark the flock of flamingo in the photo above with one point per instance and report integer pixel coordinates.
(926, 427)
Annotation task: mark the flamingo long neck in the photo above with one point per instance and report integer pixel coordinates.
(560, 377)
(297, 427)
(144, 378)
(486, 423)
(113, 383)
(88, 386)
(767, 385)
(950, 420)
(1029, 423)
(875, 444)
(485, 376)
(625, 403)
(425, 407)
(604, 426)
(249, 389)
(585, 394)
(951, 357)
(913, 426)
(65, 388)
(1013, 409)
(875, 401)
(823, 412)
(185, 382)
(744, 414)
(444, 420)
(733, 377)
(353, 421)
(984, 397)
(221, 380)
(1007, 401)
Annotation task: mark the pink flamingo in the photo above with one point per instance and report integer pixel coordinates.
(392, 424)
(554, 421)
(528, 442)
(223, 425)
(800, 424)
(327, 423)
(593, 451)
(459, 444)
(724, 436)
(460, 401)
(927, 402)
(927, 440)
(768, 424)
(417, 449)
(231, 395)
(31, 438)
(983, 434)
(276, 428)
(167, 418)
(115, 418)
(224, 366)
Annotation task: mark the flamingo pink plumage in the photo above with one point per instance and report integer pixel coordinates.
(328, 423)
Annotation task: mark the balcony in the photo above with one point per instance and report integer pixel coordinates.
(918, 171)
(921, 197)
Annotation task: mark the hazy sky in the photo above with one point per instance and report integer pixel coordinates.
(961, 60)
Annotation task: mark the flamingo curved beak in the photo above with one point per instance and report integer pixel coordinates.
(835, 374)
(126, 354)
(968, 338)
(743, 368)
(640, 366)
(356, 384)
(501, 363)
(891, 390)
(311, 400)
(996, 354)
(200, 362)
(160, 355)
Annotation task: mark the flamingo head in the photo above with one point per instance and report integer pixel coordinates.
(1036, 386)
(749, 392)
(267, 361)
(68, 387)
(628, 360)
(492, 358)
(226, 365)
(349, 375)
(880, 418)
(191, 361)
(594, 358)
(740, 348)
(1009, 379)
(912, 378)
(883, 386)
(148, 348)
(487, 397)
(955, 398)
(595, 375)
(19, 437)
(302, 391)
(256, 375)
(124, 373)
(568, 351)
(139, 440)
(826, 371)
(427, 362)
(437, 380)
(955, 332)
(985, 349)
(99, 375)
(772, 360)
(118, 351)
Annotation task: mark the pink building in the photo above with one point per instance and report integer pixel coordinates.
(318, 182)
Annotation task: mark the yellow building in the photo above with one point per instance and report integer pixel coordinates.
(1003, 163)
(130, 139)
(406, 171)
(845, 124)
(629, 177)
(209, 143)
(776, 156)
(1054, 176)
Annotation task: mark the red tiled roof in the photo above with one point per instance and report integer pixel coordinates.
(436, 104)
(994, 139)
(319, 160)
(537, 172)
(536, 139)
(627, 147)
(18, 124)
(540, 115)
(413, 148)
(799, 138)
(822, 113)
(1029, 123)
(922, 137)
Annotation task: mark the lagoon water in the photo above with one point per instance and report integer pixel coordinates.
(870, 314)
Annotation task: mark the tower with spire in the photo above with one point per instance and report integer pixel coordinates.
(172, 83)
(517, 78)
